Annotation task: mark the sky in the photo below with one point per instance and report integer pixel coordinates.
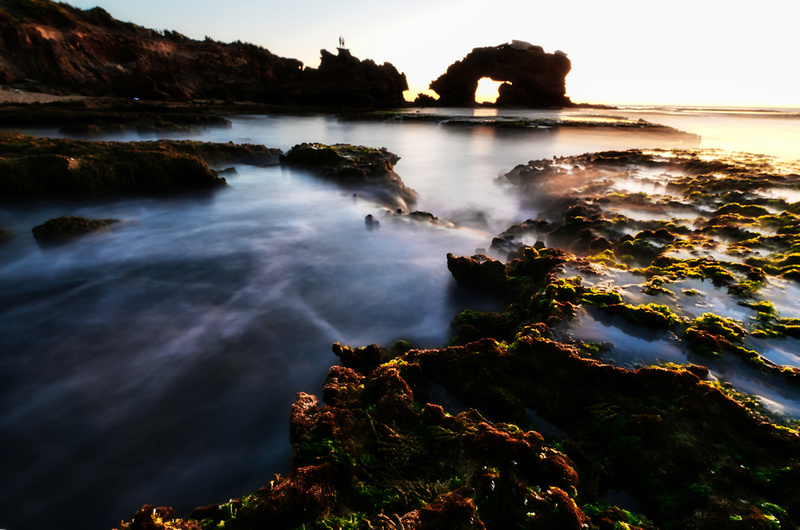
(681, 52)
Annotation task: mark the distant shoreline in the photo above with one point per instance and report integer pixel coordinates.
(15, 95)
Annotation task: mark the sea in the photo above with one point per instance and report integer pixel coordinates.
(157, 363)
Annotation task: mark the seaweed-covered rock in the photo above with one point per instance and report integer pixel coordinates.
(478, 272)
(41, 167)
(61, 230)
(517, 424)
(366, 170)
(667, 435)
(378, 454)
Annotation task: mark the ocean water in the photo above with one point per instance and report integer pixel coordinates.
(157, 363)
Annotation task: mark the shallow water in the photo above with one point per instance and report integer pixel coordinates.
(157, 363)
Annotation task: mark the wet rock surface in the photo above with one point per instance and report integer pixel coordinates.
(46, 167)
(91, 117)
(367, 170)
(61, 230)
(519, 424)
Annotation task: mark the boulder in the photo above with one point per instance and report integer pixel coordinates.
(367, 170)
(65, 229)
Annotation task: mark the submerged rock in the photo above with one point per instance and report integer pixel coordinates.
(5, 236)
(62, 230)
(368, 170)
(371, 223)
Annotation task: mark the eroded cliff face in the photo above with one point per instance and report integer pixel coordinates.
(56, 47)
(532, 77)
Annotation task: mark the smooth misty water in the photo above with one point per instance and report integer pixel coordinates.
(157, 363)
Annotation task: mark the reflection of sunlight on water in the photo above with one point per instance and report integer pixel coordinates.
(484, 112)
(639, 185)
(787, 194)
(709, 299)
(785, 352)
(631, 345)
(647, 214)
(784, 295)
(768, 134)
(714, 253)
(773, 395)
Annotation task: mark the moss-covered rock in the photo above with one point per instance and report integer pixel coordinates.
(45, 167)
(62, 230)
(455, 436)
(364, 169)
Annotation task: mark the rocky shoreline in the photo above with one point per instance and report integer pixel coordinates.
(453, 437)
(523, 420)
(518, 421)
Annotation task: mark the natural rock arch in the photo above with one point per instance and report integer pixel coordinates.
(532, 78)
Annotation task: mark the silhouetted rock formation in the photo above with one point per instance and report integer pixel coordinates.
(532, 77)
(345, 80)
(54, 47)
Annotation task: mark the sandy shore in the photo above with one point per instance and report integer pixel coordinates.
(21, 96)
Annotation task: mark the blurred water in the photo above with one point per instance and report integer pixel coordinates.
(156, 363)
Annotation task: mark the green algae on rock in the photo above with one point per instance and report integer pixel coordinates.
(516, 424)
(381, 450)
(367, 170)
(46, 167)
(62, 230)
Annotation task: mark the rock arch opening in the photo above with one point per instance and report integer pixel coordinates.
(488, 90)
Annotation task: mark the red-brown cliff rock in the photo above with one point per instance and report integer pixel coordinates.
(48, 46)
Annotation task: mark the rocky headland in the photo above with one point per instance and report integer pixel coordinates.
(55, 48)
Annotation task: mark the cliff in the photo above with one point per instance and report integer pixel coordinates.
(53, 47)
(532, 77)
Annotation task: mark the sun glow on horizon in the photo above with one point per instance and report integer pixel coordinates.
(488, 90)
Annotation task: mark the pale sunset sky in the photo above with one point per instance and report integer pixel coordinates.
(680, 52)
